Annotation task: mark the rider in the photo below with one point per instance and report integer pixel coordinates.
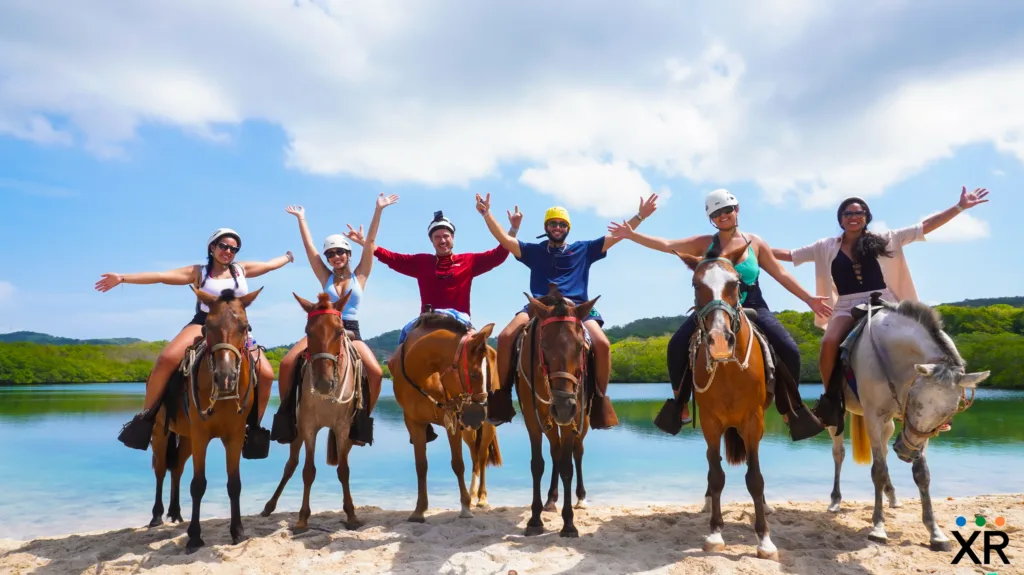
(722, 209)
(221, 272)
(445, 278)
(337, 278)
(849, 267)
(568, 267)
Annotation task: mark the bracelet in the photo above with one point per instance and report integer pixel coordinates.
(959, 208)
(639, 217)
(513, 230)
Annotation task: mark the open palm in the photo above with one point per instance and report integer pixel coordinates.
(970, 199)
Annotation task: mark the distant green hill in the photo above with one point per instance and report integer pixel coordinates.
(1017, 301)
(35, 337)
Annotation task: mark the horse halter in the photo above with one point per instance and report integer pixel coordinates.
(186, 367)
(736, 317)
(334, 359)
(573, 377)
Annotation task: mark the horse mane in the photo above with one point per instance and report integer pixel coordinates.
(433, 320)
(227, 295)
(323, 301)
(931, 321)
(555, 299)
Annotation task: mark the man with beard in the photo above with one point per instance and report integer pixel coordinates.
(553, 261)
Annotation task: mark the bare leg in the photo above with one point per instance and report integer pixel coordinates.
(287, 369)
(169, 360)
(374, 373)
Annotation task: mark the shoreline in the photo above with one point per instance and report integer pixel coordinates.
(613, 539)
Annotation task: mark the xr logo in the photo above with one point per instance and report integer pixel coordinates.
(993, 540)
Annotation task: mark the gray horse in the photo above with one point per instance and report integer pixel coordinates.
(905, 367)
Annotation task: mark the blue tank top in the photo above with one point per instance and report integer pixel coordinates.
(351, 311)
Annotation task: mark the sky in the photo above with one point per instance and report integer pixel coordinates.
(129, 132)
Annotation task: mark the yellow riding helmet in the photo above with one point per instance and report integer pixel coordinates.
(557, 213)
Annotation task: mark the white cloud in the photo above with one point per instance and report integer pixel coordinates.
(962, 228)
(828, 103)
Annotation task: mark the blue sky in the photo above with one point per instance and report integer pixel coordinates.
(121, 151)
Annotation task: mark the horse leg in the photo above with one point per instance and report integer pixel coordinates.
(352, 522)
(552, 502)
(890, 491)
(838, 455)
(418, 436)
(159, 445)
(308, 476)
(474, 463)
(197, 490)
(233, 450)
(923, 478)
(535, 526)
(755, 485)
(581, 492)
(289, 470)
(184, 452)
(716, 483)
(459, 468)
(879, 476)
(489, 436)
(567, 445)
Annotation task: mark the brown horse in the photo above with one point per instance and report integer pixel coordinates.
(483, 443)
(731, 391)
(331, 391)
(217, 370)
(439, 378)
(554, 397)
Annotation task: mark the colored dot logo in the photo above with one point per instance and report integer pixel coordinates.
(980, 521)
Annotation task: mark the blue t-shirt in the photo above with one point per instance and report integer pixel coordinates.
(567, 267)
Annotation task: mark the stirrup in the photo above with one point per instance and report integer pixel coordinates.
(256, 444)
(500, 408)
(138, 432)
(283, 429)
(669, 419)
(803, 424)
(830, 413)
(602, 413)
(361, 431)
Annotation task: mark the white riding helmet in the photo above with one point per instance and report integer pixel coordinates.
(440, 222)
(221, 232)
(337, 241)
(719, 199)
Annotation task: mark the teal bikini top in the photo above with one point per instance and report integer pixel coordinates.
(748, 269)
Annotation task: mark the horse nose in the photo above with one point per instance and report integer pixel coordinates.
(564, 412)
(473, 416)
(720, 345)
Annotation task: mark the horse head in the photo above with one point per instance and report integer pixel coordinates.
(476, 367)
(227, 330)
(325, 342)
(716, 285)
(561, 342)
(933, 398)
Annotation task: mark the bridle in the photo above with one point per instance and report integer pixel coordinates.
(453, 405)
(737, 319)
(188, 362)
(334, 359)
(576, 378)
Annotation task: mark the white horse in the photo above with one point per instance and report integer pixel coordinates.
(906, 367)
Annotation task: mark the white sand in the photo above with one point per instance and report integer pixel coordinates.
(613, 540)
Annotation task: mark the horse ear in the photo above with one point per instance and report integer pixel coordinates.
(204, 297)
(342, 301)
(925, 369)
(250, 297)
(583, 310)
(481, 336)
(537, 306)
(306, 305)
(690, 261)
(553, 292)
(971, 380)
(737, 254)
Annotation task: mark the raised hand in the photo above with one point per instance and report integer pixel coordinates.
(108, 282)
(483, 205)
(385, 201)
(621, 231)
(970, 199)
(648, 206)
(297, 211)
(820, 306)
(515, 218)
(356, 236)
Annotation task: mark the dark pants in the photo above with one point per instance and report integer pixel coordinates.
(785, 349)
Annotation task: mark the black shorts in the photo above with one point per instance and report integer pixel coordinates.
(199, 318)
(352, 325)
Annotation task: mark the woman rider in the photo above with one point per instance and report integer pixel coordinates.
(849, 267)
(221, 272)
(336, 278)
(722, 208)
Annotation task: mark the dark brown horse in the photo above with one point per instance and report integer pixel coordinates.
(440, 378)
(219, 401)
(731, 390)
(331, 391)
(555, 399)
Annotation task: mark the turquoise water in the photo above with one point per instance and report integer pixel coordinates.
(63, 471)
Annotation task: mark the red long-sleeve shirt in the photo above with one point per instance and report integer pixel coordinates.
(444, 282)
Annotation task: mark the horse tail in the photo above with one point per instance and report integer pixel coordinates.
(171, 454)
(332, 448)
(493, 451)
(861, 442)
(735, 449)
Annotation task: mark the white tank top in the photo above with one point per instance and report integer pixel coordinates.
(214, 286)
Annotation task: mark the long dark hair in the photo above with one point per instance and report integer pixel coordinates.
(869, 244)
(209, 267)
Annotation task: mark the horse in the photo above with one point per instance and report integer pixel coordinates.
(904, 366)
(556, 404)
(331, 391)
(726, 344)
(216, 369)
(483, 443)
(439, 377)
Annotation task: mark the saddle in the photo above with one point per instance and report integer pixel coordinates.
(860, 314)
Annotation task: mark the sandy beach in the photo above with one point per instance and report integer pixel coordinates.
(613, 540)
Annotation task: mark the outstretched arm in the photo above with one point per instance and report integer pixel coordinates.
(691, 245)
(782, 255)
(176, 277)
(319, 267)
(768, 262)
(362, 271)
(507, 241)
(256, 269)
(967, 200)
(647, 208)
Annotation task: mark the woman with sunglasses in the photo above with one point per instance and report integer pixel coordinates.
(849, 267)
(336, 279)
(723, 209)
(221, 272)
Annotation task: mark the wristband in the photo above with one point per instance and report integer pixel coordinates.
(959, 208)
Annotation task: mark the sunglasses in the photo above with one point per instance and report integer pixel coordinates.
(560, 225)
(227, 248)
(331, 254)
(722, 211)
(854, 213)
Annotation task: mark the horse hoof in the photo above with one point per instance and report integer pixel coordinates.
(769, 554)
(834, 508)
(193, 545)
(156, 522)
(550, 507)
(354, 524)
(175, 517)
(941, 545)
(714, 543)
(236, 539)
(466, 514)
(880, 539)
(483, 504)
(581, 504)
(416, 519)
(266, 513)
(532, 530)
(768, 509)
(895, 504)
(569, 532)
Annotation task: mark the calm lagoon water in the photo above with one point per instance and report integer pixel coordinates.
(62, 469)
